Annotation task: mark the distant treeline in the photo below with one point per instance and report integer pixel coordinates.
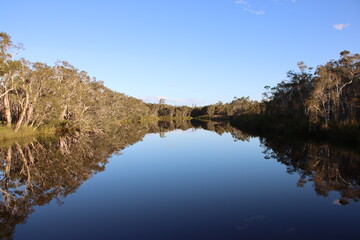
(325, 97)
(237, 107)
(328, 96)
(322, 102)
(221, 110)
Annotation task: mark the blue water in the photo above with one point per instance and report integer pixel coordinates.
(193, 184)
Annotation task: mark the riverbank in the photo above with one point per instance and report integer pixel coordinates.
(266, 125)
(7, 133)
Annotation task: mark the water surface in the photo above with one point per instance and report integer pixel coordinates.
(184, 184)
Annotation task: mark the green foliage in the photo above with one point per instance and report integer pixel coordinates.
(169, 111)
(220, 110)
(330, 96)
(61, 96)
(36, 95)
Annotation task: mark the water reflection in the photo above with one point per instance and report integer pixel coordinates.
(33, 173)
(329, 168)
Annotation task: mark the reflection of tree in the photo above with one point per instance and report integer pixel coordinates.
(329, 168)
(220, 128)
(35, 173)
(239, 135)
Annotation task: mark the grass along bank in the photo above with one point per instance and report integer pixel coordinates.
(7, 133)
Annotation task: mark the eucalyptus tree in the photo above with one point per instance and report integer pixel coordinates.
(289, 96)
(336, 95)
(8, 72)
(36, 94)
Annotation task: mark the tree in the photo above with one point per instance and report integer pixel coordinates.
(336, 94)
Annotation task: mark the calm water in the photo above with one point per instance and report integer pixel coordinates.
(183, 184)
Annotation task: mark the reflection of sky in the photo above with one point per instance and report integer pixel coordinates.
(191, 185)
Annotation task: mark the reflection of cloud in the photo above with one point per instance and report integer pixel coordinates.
(290, 230)
(178, 131)
(341, 26)
(336, 202)
(250, 221)
(243, 227)
(172, 101)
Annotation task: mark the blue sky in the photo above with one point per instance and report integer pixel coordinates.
(188, 51)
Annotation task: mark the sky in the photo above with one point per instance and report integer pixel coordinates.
(190, 52)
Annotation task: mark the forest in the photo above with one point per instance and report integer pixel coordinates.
(322, 103)
(35, 96)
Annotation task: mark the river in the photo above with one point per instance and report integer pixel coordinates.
(179, 182)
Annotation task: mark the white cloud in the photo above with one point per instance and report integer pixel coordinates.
(254, 7)
(341, 26)
(248, 8)
(282, 1)
(243, 2)
(257, 12)
(172, 101)
(152, 99)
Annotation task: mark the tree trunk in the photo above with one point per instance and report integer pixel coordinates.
(7, 110)
(29, 115)
(8, 162)
(23, 112)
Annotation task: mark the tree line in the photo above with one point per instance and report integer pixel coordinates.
(237, 107)
(330, 95)
(36, 94)
(62, 96)
(327, 96)
(219, 110)
(323, 103)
